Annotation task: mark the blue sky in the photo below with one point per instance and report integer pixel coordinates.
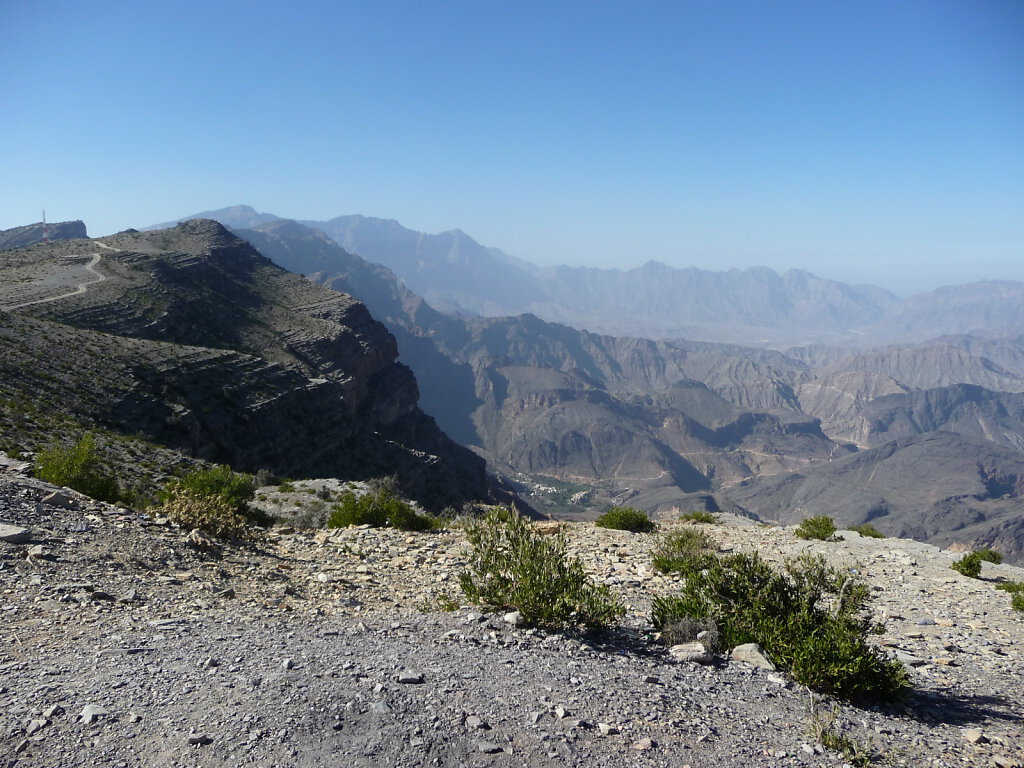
(871, 141)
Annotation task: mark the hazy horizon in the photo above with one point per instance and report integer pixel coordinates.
(875, 143)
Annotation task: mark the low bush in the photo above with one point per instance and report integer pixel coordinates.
(236, 489)
(512, 566)
(990, 555)
(191, 509)
(77, 467)
(1016, 590)
(821, 527)
(697, 516)
(683, 550)
(626, 519)
(867, 529)
(378, 508)
(968, 565)
(808, 617)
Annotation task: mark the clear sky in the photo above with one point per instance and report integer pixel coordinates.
(873, 141)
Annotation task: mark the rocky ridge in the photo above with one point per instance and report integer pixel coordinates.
(192, 338)
(127, 641)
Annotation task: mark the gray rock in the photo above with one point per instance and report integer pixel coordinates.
(515, 618)
(288, 664)
(199, 739)
(752, 654)
(409, 678)
(644, 744)
(58, 499)
(489, 748)
(381, 708)
(607, 730)
(476, 723)
(14, 534)
(91, 713)
(692, 652)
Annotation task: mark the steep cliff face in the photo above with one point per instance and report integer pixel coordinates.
(256, 366)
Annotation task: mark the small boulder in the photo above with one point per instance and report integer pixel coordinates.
(14, 534)
(692, 652)
(752, 654)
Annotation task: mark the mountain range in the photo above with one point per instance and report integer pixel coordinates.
(574, 419)
(753, 307)
(677, 423)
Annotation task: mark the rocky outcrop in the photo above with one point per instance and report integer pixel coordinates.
(222, 353)
(30, 234)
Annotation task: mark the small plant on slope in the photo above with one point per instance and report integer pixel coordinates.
(77, 467)
(191, 509)
(684, 550)
(808, 617)
(821, 527)
(1016, 590)
(378, 508)
(697, 516)
(990, 555)
(512, 566)
(868, 530)
(969, 565)
(626, 519)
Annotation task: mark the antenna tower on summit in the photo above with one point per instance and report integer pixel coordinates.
(46, 231)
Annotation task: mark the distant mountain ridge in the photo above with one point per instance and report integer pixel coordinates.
(687, 424)
(30, 234)
(755, 306)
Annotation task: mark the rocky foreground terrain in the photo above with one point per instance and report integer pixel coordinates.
(125, 641)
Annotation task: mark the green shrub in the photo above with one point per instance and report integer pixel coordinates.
(378, 508)
(626, 519)
(191, 509)
(808, 618)
(683, 550)
(235, 489)
(1016, 590)
(697, 516)
(867, 529)
(77, 467)
(968, 565)
(990, 555)
(821, 527)
(512, 566)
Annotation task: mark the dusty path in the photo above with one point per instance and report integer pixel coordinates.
(79, 288)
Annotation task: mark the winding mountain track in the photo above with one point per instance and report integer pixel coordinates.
(79, 288)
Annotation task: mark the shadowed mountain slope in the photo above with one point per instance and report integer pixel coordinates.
(222, 353)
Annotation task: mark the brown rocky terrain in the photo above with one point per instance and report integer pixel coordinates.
(122, 643)
(194, 340)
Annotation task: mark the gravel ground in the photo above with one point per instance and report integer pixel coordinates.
(123, 644)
